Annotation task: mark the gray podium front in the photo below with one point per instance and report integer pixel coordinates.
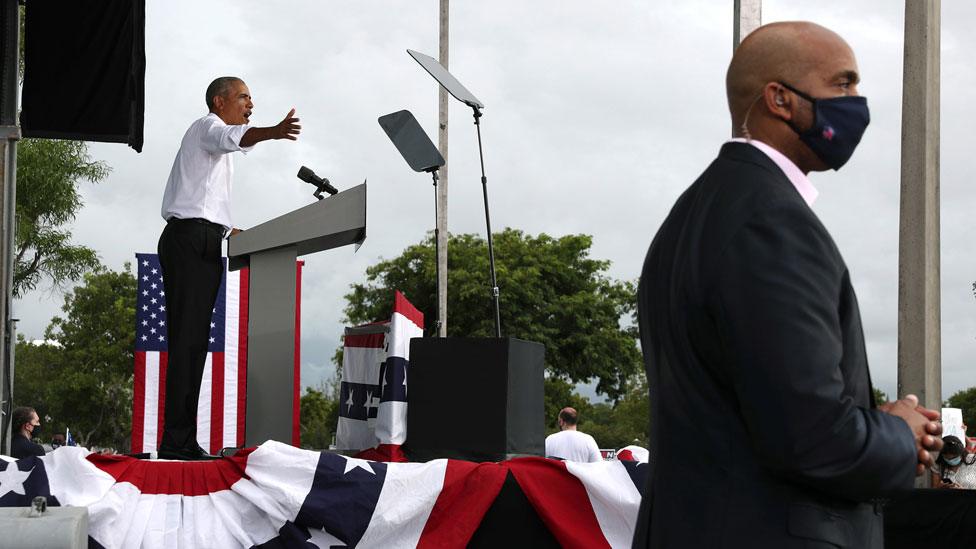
(270, 250)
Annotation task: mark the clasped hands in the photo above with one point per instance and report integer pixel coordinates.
(924, 424)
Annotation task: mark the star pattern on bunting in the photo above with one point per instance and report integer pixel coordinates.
(356, 463)
(12, 480)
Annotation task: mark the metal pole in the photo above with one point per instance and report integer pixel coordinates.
(437, 253)
(440, 234)
(919, 330)
(9, 135)
(491, 247)
(746, 17)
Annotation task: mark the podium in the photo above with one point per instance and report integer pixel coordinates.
(270, 251)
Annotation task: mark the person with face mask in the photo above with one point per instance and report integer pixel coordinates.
(26, 426)
(57, 441)
(751, 333)
(954, 468)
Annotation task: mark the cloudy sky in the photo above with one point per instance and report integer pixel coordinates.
(597, 116)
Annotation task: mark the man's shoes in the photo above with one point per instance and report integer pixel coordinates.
(203, 454)
(196, 453)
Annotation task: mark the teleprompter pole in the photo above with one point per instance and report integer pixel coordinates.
(491, 247)
(439, 322)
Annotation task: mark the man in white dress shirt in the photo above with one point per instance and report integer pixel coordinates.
(570, 444)
(196, 207)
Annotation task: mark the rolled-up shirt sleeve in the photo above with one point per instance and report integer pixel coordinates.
(224, 138)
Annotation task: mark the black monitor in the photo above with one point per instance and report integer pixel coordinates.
(446, 79)
(411, 140)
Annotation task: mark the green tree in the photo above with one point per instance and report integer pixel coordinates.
(880, 397)
(559, 394)
(552, 292)
(81, 377)
(966, 401)
(319, 416)
(615, 425)
(48, 172)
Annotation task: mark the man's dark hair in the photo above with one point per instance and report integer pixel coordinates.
(20, 416)
(568, 415)
(219, 87)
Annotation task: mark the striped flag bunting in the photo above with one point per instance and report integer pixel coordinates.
(280, 496)
(373, 390)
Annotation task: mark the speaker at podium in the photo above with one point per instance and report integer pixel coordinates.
(478, 399)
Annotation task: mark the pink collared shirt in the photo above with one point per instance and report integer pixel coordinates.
(799, 180)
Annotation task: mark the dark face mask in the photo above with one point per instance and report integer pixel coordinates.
(838, 124)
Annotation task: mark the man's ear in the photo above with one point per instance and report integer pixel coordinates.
(777, 101)
(218, 103)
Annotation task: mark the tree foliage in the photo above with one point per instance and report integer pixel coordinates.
(552, 292)
(81, 376)
(624, 422)
(319, 417)
(48, 172)
(966, 401)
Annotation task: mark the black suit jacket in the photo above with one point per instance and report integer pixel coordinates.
(21, 447)
(763, 427)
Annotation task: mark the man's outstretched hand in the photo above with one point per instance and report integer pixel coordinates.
(924, 425)
(288, 128)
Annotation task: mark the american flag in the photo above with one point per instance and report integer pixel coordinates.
(220, 413)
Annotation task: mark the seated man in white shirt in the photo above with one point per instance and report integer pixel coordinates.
(570, 444)
(196, 207)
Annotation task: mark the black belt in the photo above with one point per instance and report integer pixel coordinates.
(201, 221)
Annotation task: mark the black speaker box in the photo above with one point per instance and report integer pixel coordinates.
(475, 399)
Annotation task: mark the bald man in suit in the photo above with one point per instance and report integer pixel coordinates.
(764, 428)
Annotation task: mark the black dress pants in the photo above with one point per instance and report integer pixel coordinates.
(189, 253)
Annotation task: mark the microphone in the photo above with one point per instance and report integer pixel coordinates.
(321, 183)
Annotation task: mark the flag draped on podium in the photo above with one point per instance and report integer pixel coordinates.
(220, 412)
(373, 391)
